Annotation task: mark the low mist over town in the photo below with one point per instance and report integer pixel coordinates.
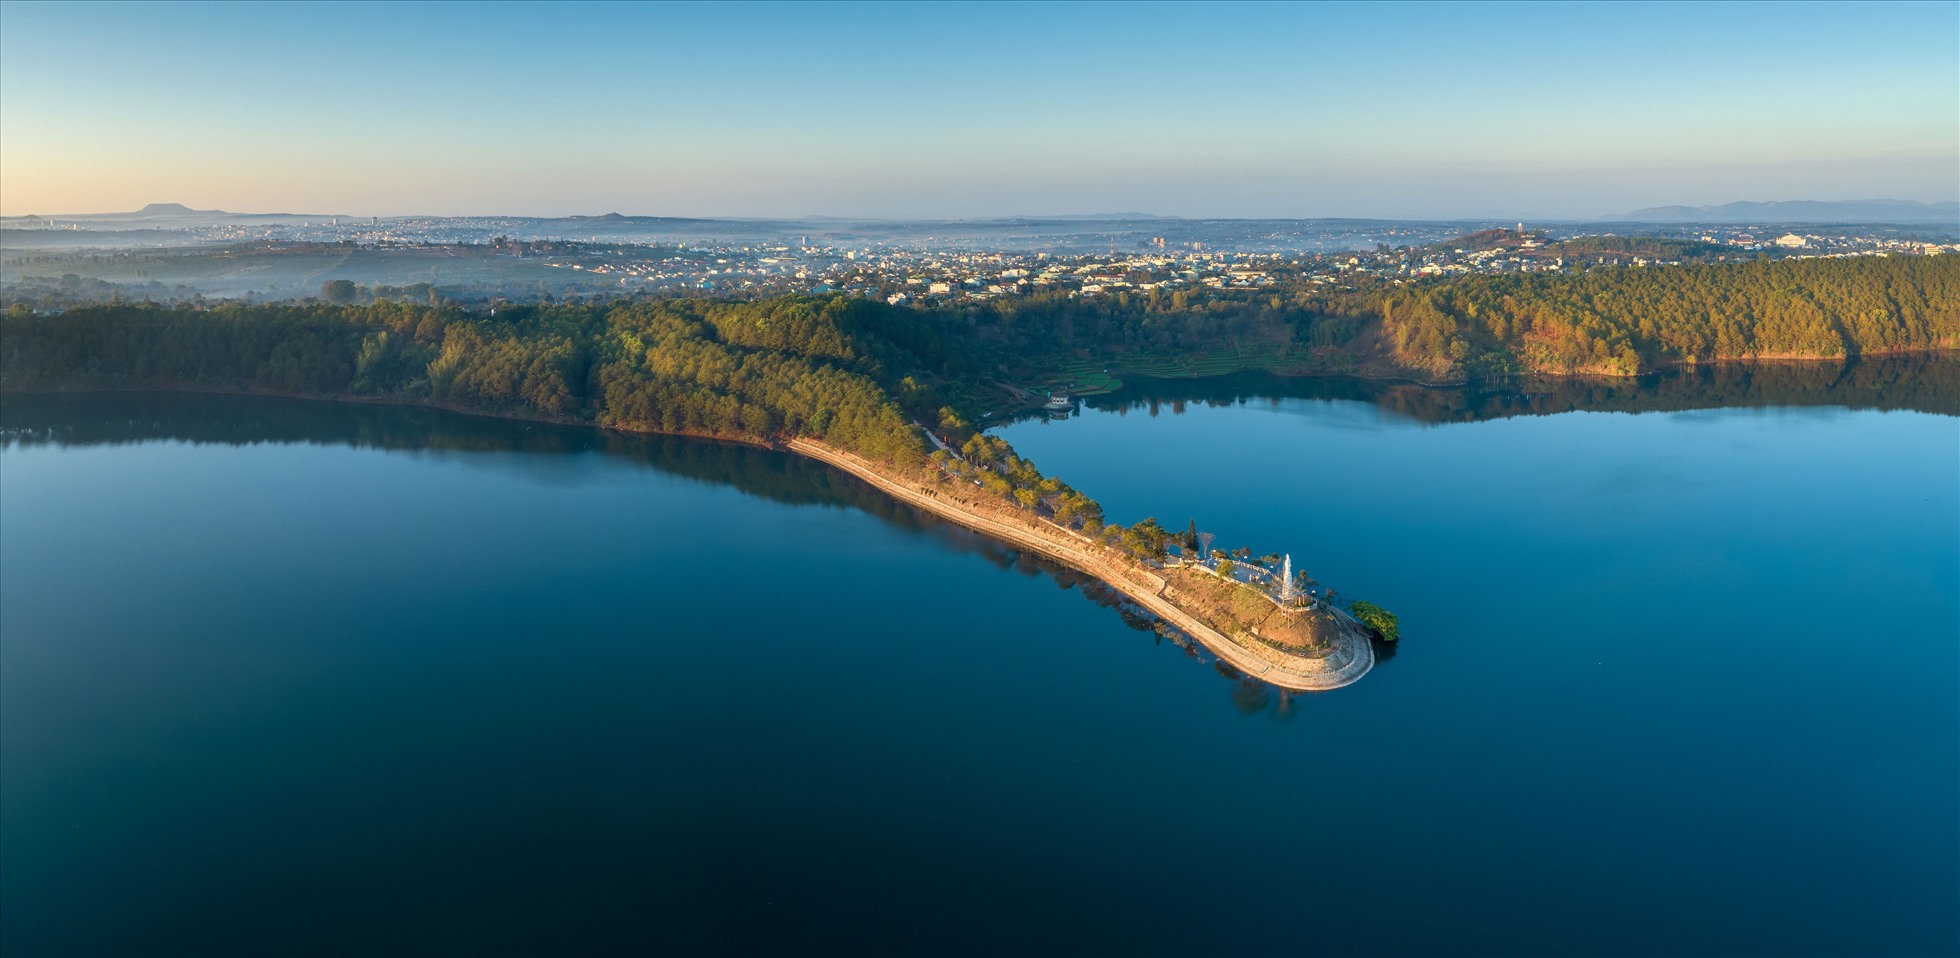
(168, 253)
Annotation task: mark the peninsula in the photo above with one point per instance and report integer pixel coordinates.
(900, 396)
(1304, 648)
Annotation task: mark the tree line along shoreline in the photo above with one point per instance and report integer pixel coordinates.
(857, 374)
(862, 376)
(1610, 321)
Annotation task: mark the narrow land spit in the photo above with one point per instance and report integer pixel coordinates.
(1351, 658)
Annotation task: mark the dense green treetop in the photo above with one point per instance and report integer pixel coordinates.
(1621, 320)
(1604, 321)
(761, 371)
(1377, 618)
(855, 372)
(858, 373)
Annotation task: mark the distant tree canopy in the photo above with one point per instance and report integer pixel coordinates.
(1609, 320)
(338, 291)
(1619, 320)
(856, 372)
(762, 370)
(1644, 247)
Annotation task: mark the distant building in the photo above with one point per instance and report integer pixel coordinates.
(1791, 240)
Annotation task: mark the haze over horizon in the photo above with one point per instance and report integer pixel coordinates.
(974, 111)
(1855, 211)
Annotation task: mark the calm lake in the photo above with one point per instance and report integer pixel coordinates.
(280, 677)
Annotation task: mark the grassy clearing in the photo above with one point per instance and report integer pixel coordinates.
(1086, 379)
(1090, 379)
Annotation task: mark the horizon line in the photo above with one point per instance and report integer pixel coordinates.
(1110, 216)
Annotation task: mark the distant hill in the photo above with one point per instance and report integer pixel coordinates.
(174, 209)
(147, 212)
(617, 218)
(179, 211)
(1800, 211)
(1095, 217)
(151, 211)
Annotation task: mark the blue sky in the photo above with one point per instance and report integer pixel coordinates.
(1412, 110)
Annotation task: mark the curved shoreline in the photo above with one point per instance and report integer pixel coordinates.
(1348, 663)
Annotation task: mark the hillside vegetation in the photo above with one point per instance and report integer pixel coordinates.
(853, 372)
(1621, 320)
(1604, 321)
(756, 370)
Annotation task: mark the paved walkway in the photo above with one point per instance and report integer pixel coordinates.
(1350, 660)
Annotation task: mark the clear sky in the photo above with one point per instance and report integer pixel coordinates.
(945, 110)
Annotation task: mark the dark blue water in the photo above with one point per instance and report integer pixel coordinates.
(278, 677)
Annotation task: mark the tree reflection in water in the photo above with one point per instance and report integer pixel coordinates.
(1925, 382)
(93, 419)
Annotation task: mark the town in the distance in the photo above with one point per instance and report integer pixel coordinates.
(169, 253)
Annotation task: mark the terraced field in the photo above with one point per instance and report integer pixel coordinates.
(1087, 379)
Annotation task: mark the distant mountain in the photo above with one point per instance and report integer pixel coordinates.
(174, 209)
(155, 211)
(609, 219)
(147, 212)
(1801, 211)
